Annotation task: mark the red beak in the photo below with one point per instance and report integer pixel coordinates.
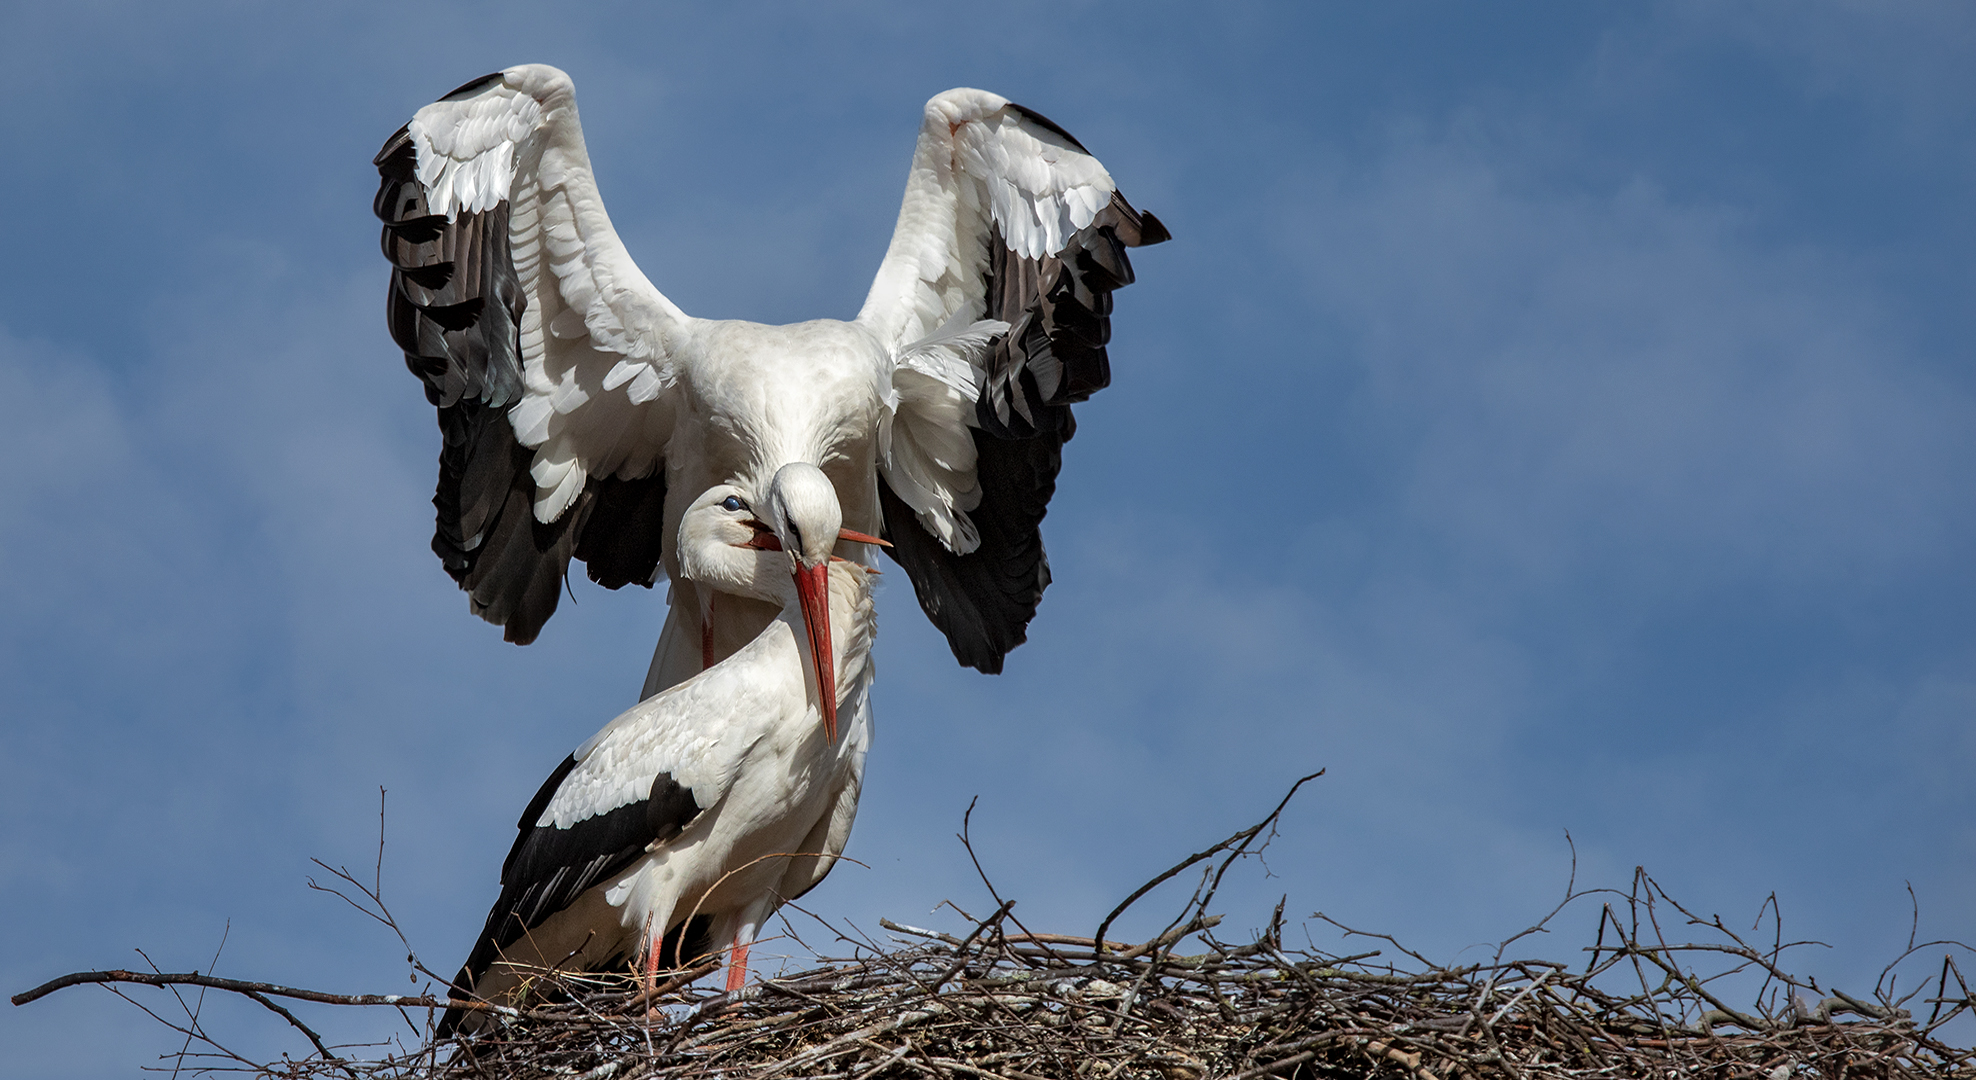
(861, 538)
(813, 590)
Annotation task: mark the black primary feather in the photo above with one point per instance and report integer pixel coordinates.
(455, 307)
(1059, 313)
(549, 867)
(983, 600)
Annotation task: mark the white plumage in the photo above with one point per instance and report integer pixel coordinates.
(582, 412)
(515, 298)
(722, 796)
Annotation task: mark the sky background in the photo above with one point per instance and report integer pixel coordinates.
(1547, 418)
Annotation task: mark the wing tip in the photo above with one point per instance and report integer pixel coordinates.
(400, 143)
(520, 631)
(1050, 125)
(987, 663)
(1134, 227)
(472, 86)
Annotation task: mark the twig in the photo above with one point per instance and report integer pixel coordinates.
(1242, 838)
(993, 1004)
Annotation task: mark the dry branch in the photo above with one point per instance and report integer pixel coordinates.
(998, 1005)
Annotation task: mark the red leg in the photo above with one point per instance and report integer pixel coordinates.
(737, 964)
(652, 948)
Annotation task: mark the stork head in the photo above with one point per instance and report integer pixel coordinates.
(802, 510)
(799, 519)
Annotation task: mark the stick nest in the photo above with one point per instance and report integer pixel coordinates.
(1003, 1002)
(1009, 1004)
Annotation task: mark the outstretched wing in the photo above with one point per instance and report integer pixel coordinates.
(995, 299)
(546, 351)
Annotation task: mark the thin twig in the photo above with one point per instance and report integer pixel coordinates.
(1241, 838)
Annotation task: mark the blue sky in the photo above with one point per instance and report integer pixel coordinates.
(1547, 418)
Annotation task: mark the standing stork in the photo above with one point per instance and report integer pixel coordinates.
(581, 409)
(720, 797)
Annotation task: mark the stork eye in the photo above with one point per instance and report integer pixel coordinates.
(732, 503)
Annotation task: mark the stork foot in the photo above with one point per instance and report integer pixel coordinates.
(737, 965)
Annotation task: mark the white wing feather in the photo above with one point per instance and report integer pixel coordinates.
(980, 163)
(677, 732)
(703, 730)
(597, 339)
(925, 445)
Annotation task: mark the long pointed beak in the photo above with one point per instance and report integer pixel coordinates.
(861, 538)
(813, 590)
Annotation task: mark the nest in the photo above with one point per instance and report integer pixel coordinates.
(1001, 1001)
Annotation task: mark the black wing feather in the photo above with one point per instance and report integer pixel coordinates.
(455, 307)
(621, 541)
(983, 600)
(1059, 313)
(548, 868)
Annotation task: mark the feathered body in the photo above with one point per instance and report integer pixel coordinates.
(722, 796)
(581, 409)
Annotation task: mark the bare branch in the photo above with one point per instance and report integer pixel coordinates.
(1239, 841)
(997, 1001)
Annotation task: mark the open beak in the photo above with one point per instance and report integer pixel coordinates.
(813, 590)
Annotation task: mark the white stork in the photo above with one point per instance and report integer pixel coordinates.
(718, 798)
(581, 409)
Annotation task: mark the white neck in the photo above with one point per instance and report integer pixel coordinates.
(713, 561)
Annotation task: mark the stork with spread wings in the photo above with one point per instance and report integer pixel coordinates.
(581, 410)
